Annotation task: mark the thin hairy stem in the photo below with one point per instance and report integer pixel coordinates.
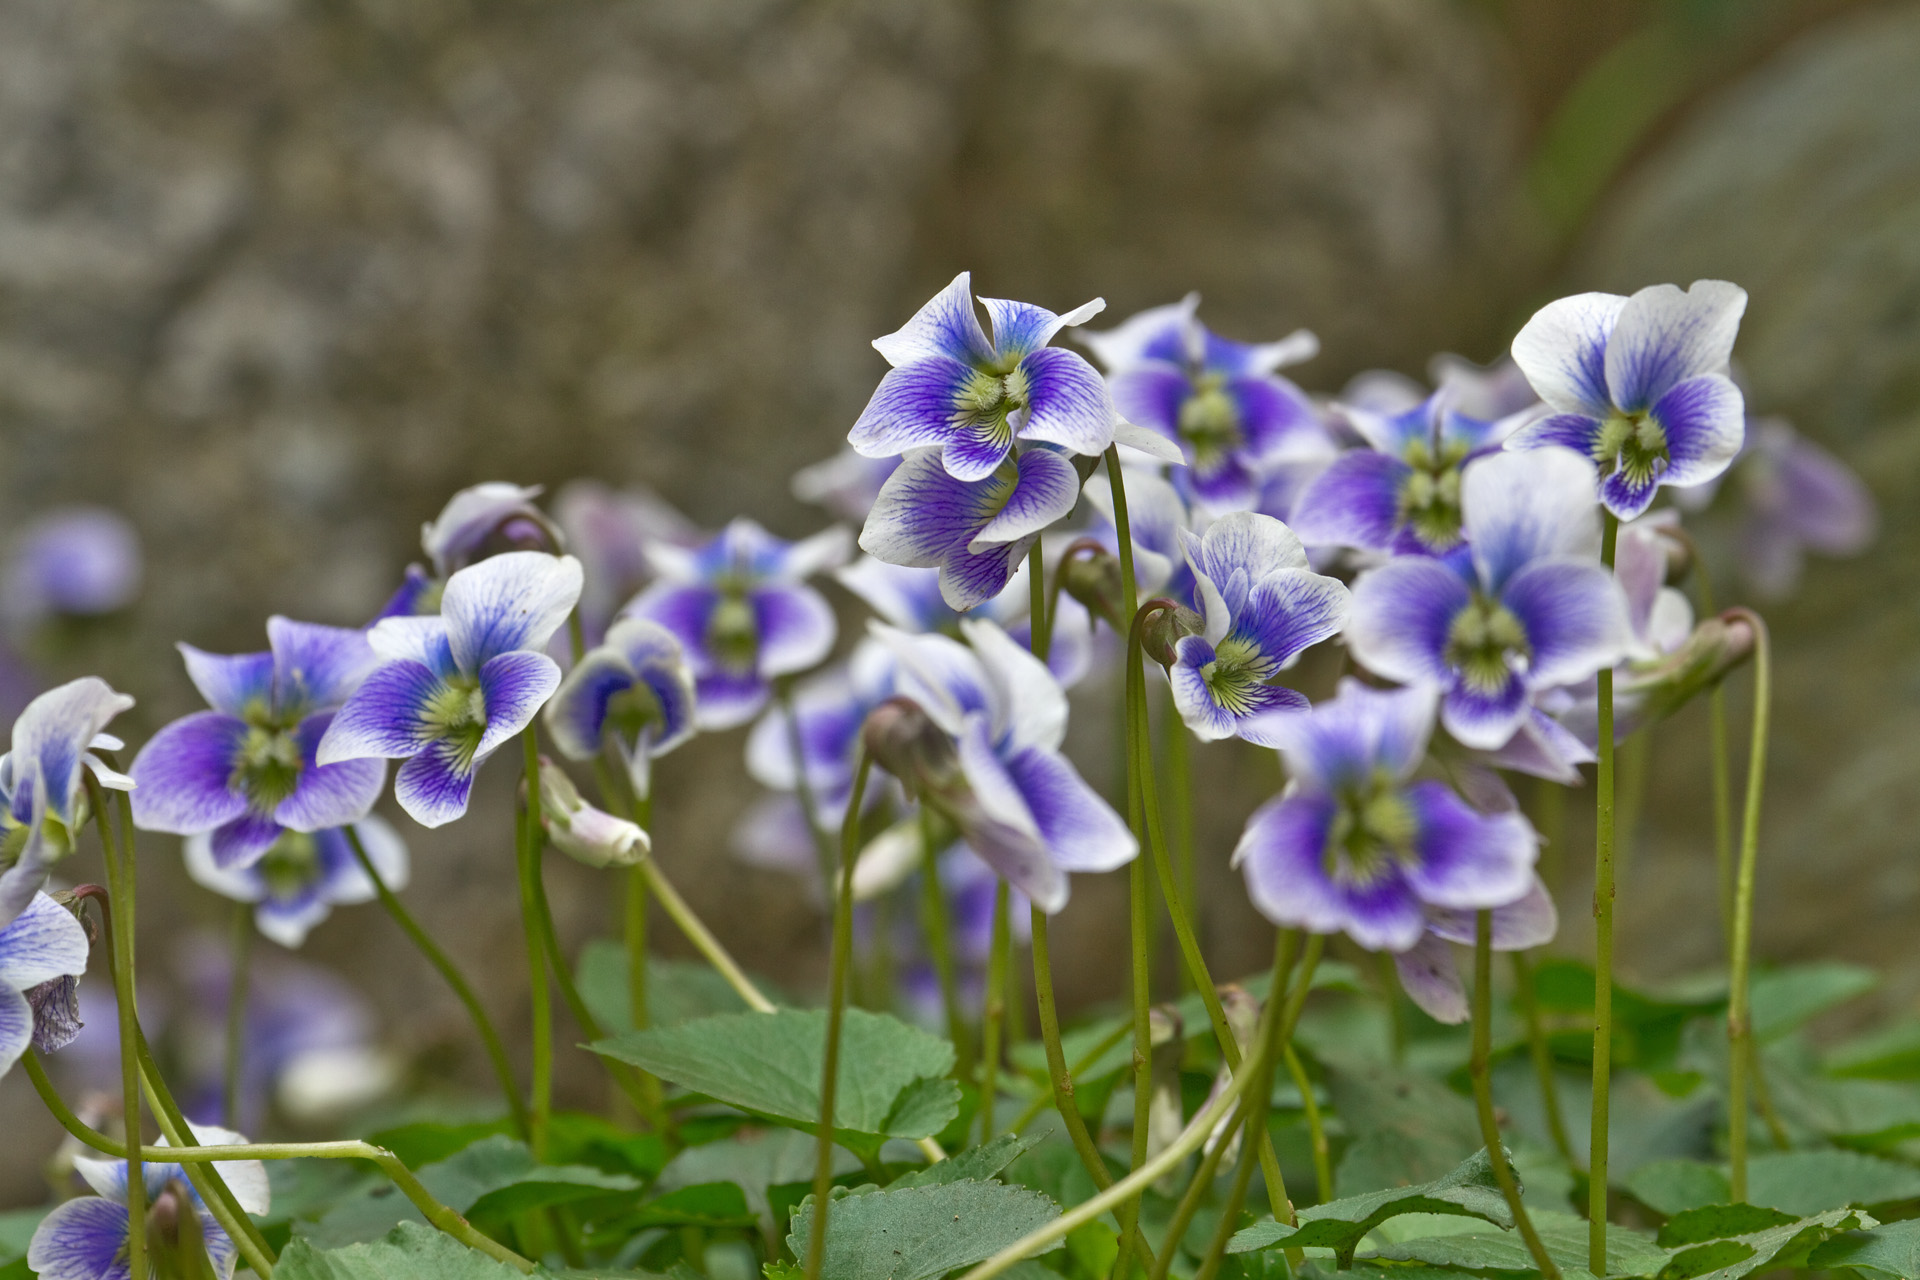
(1480, 1067)
(119, 931)
(1603, 891)
(1722, 770)
(994, 1009)
(1542, 1055)
(938, 928)
(1079, 1067)
(214, 1192)
(540, 996)
(1316, 1127)
(696, 932)
(1740, 1051)
(237, 1014)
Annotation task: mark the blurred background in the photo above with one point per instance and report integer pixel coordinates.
(278, 276)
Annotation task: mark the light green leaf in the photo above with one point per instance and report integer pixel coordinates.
(753, 1159)
(1893, 1249)
(16, 1230)
(1785, 1245)
(710, 1204)
(1806, 1182)
(1782, 999)
(677, 990)
(1629, 1252)
(413, 1250)
(917, 1233)
(973, 1164)
(1408, 1128)
(1469, 1190)
(423, 1142)
(1719, 1222)
(1672, 1186)
(891, 1081)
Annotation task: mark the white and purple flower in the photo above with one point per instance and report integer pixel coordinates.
(742, 612)
(609, 531)
(952, 389)
(1639, 385)
(42, 945)
(245, 770)
(303, 876)
(1535, 609)
(1221, 402)
(634, 689)
(1798, 498)
(452, 689)
(43, 782)
(1261, 606)
(1427, 970)
(493, 512)
(1355, 846)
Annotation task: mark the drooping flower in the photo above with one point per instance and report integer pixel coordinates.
(1261, 606)
(952, 389)
(42, 781)
(636, 689)
(491, 512)
(1355, 846)
(245, 771)
(86, 1238)
(975, 532)
(77, 561)
(741, 609)
(1221, 402)
(1638, 385)
(1534, 610)
(452, 689)
(302, 876)
(43, 944)
(1401, 495)
(1427, 970)
(1001, 779)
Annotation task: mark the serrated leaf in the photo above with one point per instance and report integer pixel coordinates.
(1671, 1186)
(1719, 1222)
(891, 1081)
(677, 990)
(1785, 1245)
(754, 1159)
(413, 1250)
(1629, 1253)
(1470, 1190)
(974, 1164)
(1782, 999)
(917, 1233)
(707, 1204)
(1806, 1182)
(1893, 1249)
(1408, 1129)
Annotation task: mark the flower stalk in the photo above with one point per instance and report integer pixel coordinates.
(1603, 894)
(1480, 1067)
(119, 931)
(540, 1077)
(237, 1014)
(1741, 1056)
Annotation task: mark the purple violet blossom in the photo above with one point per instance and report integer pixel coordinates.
(303, 876)
(635, 686)
(609, 531)
(742, 612)
(1262, 607)
(43, 944)
(86, 1238)
(1638, 385)
(1534, 610)
(493, 511)
(43, 782)
(1354, 845)
(1221, 402)
(77, 561)
(1035, 819)
(245, 771)
(970, 398)
(454, 688)
(1427, 970)
(1798, 498)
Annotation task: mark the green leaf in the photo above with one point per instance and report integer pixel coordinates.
(1629, 1253)
(891, 1081)
(15, 1270)
(1893, 1248)
(431, 1141)
(677, 990)
(1782, 999)
(1889, 1053)
(1787, 1244)
(16, 1230)
(308, 1188)
(974, 1164)
(754, 1159)
(1469, 1190)
(1408, 1129)
(1806, 1182)
(1719, 1222)
(1093, 1247)
(708, 1204)
(411, 1250)
(1671, 1186)
(917, 1233)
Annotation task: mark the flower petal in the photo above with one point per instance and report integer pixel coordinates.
(1081, 830)
(829, 715)
(923, 515)
(1575, 617)
(1208, 720)
(1282, 853)
(1529, 921)
(243, 841)
(1361, 730)
(1664, 337)
(915, 406)
(329, 795)
(1467, 859)
(1022, 860)
(939, 673)
(1276, 418)
(470, 517)
(1705, 422)
(82, 1239)
(1355, 502)
(1046, 490)
(1028, 707)
(976, 447)
(1543, 748)
(1516, 508)
(1020, 327)
(387, 716)
(514, 685)
(316, 667)
(1067, 402)
(1287, 611)
(434, 785)
(231, 682)
(1401, 615)
(904, 595)
(968, 580)
(42, 943)
(1567, 430)
(724, 698)
(1250, 541)
(1151, 394)
(184, 775)
(1431, 979)
(946, 325)
(1483, 718)
(796, 628)
(51, 737)
(508, 602)
(409, 639)
(239, 883)
(1158, 333)
(1563, 352)
(1156, 446)
(576, 716)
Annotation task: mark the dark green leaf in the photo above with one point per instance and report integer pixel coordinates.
(1893, 1248)
(411, 1250)
(1891, 1053)
(1719, 1222)
(677, 990)
(753, 1159)
(1782, 999)
(15, 1270)
(1805, 1182)
(1469, 1191)
(308, 1188)
(710, 1204)
(1670, 1186)
(973, 1164)
(1786, 1245)
(1408, 1129)
(431, 1141)
(917, 1233)
(1629, 1253)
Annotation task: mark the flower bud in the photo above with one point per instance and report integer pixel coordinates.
(581, 831)
(1165, 628)
(1662, 687)
(903, 739)
(1091, 574)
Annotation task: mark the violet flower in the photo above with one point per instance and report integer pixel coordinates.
(302, 876)
(952, 389)
(452, 689)
(245, 771)
(1261, 607)
(634, 688)
(1798, 498)
(42, 945)
(1535, 609)
(1354, 845)
(43, 782)
(1221, 402)
(609, 531)
(494, 511)
(1427, 970)
(77, 561)
(1638, 385)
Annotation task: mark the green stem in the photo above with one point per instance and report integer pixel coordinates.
(1739, 1015)
(802, 785)
(1316, 1128)
(935, 924)
(1542, 1055)
(836, 1015)
(540, 997)
(1039, 617)
(1480, 1067)
(1180, 799)
(994, 1008)
(1396, 1012)
(237, 1013)
(696, 932)
(120, 875)
(214, 1192)
(1080, 1066)
(1603, 891)
(1140, 930)
(1123, 528)
(1722, 771)
(450, 974)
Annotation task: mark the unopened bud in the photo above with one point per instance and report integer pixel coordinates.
(1165, 628)
(581, 831)
(903, 739)
(1716, 647)
(1091, 574)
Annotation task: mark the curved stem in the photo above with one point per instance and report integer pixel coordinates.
(237, 1014)
(450, 974)
(1542, 1055)
(934, 923)
(702, 938)
(1480, 1067)
(1740, 1051)
(1316, 1128)
(1722, 773)
(1603, 891)
(120, 876)
(836, 1015)
(994, 1009)
(214, 1192)
(1081, 1065)
(540, 996)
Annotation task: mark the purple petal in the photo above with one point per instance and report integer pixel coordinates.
(470, 517)
(1543, 748)
(975, 448)
(993, 786)
(1029, 709)
(16, 1027)
(1067, 402)
(1664, 337)
(1431, 979)
(684, 610)
(725, 698)
(1273, 413)
(243, 841)
(51, 738)
(913, 407)
(77, 560)
(433, 786)
(945, 326)
(1822, 499)
(941, 674)
(1353, 503)
(185, 776)
(1575, 617)
(1250, 542)
(82, 1239)
(329, 795)
(1628, 498)
(513, 686)
(1705, 420)
(42, 943)
(1046, 489)
(1467, 859)
(795, 626)
(407, 599)
(1020, 327)
(1081, 829)
(421, 640)
(1226, 483)
(1566, 430)
(233, 683)
(829, 715)
(1402, 612)
(1208, 720)
(1362, 730)
(1521, 507)
(1268, 721)
(904, 595)
(315, 668)
(1164, 333)
(1287, 611)
(1021, 860)
(289, 917)
(1528, 921)
(1484, 718)
(1151, 394)
(968, 580)
(240, 883)
(576, 716)
(1563, 352)
(1283, 853)
(923, 515)
(387, 716)
(508, 602)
